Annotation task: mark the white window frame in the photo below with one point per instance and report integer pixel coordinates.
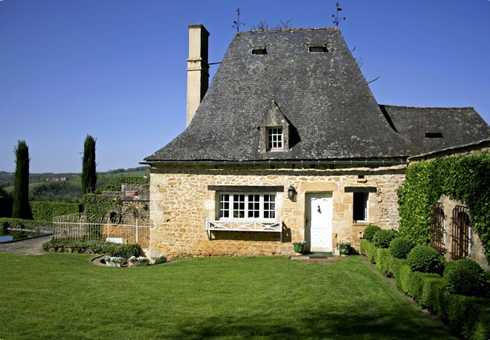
(366, 212)
(275, 137)
(261, 217)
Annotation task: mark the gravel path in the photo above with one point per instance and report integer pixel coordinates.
(28, 247)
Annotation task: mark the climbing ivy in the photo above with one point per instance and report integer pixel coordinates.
(465, 178)
(97, 206)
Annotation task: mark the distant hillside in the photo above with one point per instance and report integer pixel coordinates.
(67, 186)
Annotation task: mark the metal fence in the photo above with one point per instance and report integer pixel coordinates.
(77, 227)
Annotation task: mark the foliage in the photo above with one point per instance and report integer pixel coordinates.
(465, 277)
(368, 249)
(425, 259)
(400, 247)
(113, 183)
(383, 261)
(299, 247)
(5, 203)
(463, 178)
(94, 247)
(96, 206)
(345, 248)
(21, 207)
(382, 238)
(89, 175)
(56, 191)
(369, 232)
(46, 210)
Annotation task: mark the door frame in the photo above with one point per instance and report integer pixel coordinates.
(308, 195)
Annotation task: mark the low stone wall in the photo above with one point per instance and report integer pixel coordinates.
(181, 203)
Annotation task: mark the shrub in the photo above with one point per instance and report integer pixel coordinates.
(127, 250)
(383, 261)
(461, 313)
(369, 232)
(425, 259)
(382, 238)
(465, 277)
(400, 247)
(433, 286)
(346, 249)
(395, 266)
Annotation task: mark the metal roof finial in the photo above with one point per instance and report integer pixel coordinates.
(337, 18)
(237, 23)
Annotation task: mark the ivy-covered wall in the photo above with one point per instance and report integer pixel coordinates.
(97, 206)
(465, 178)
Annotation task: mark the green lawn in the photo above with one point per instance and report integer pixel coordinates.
(60, 296)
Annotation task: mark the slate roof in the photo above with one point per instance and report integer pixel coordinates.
(324, 96)
(458, 126)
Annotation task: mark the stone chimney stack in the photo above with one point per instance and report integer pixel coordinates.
(197, 68)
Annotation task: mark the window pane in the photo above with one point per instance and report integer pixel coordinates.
(224, 205)
(254, 206)
(269, 206)
(275, 138)
(360, 206)
(238, 206)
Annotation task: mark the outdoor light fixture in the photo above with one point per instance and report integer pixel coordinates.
(292, 193)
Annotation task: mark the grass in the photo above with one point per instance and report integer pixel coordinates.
(62, 296)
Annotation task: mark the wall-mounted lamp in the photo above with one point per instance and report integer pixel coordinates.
(292, 193)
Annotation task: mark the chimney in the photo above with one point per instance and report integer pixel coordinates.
(197, 68)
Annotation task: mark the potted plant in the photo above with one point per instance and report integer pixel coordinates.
(345, 248)
(299, 247)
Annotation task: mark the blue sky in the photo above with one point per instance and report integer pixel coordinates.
(115, 69)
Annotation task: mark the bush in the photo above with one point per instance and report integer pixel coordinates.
(462, 313)
(400, 247)
(382, 238)
(94, 247)
(346, 249)
(383, 261)
(465, 277)
(369, 232)
(425, 259)
(433, 286)
(395, 266)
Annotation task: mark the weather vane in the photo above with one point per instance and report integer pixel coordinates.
(337, 18)
(237, 23)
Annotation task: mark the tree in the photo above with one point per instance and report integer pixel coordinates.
(89, 175)
(21, 207)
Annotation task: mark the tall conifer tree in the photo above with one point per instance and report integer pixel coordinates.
(21, 207)
(89, 175)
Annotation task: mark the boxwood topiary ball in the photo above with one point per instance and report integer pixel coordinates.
(369, 232)
(383, 237)
(425, 259)
(400, 247)
(465, 277)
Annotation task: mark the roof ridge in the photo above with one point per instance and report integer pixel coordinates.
(291, 30)
(430, 107)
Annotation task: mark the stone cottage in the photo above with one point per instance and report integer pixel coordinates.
(288, 144)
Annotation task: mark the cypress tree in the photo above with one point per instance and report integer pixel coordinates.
(21, 207)
(89, 175)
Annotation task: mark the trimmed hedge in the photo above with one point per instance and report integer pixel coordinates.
(23, 224)
(459, 177)
(368, 249)
(46, 210)
(425, 259)
(370, 231)
(467, 316)
(94, 247)
(383, 261)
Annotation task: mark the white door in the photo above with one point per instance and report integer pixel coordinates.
(319, 218)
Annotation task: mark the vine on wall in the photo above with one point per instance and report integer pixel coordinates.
(465, 178)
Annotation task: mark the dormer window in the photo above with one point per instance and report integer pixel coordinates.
(275, 139)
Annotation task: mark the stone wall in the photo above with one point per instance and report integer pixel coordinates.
(476, 250)
(181, 203)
